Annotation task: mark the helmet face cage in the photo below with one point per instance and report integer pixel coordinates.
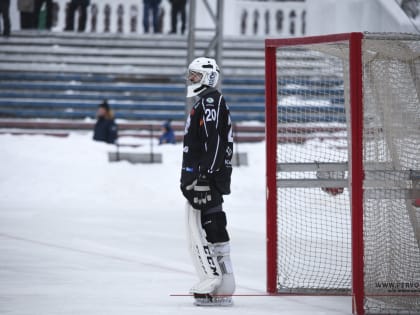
(209, 71)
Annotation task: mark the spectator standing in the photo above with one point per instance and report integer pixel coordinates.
(168, 135)
(151, 6)
(49, 9)
(178, 8)
(26, 9)
(4, 12)
(73, 6)
(105, 128)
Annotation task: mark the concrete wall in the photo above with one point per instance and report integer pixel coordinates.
(342, 16)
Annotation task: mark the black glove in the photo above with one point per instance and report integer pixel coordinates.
(201, 190)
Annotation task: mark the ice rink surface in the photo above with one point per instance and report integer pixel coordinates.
(81, 235)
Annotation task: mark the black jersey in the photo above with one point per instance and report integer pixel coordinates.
(208, 142)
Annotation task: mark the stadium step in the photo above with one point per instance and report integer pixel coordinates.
(66, 75)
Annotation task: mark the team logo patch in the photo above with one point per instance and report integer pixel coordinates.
(210, 100)
(229, 151)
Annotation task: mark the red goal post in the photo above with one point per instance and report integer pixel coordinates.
(375, 74)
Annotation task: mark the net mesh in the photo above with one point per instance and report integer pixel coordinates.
(313, 220)
(314, 215)
(392, 151)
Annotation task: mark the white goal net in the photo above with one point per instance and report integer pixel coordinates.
(345, 149)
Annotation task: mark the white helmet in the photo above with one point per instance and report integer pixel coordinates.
(209, 71)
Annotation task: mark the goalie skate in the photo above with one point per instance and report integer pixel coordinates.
(209, 300)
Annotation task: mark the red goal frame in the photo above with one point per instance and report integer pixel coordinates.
(356, 184)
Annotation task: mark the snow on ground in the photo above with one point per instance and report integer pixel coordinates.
(81, 235)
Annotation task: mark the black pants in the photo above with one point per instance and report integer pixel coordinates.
(178, 9)
(73, 6)
(27, 20)
(4, 12)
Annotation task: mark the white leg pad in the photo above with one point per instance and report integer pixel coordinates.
(227, 287)
(211, 261)
(204, 260)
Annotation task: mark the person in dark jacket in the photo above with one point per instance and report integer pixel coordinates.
(105, 128)
(205, 178)
(168, 135)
